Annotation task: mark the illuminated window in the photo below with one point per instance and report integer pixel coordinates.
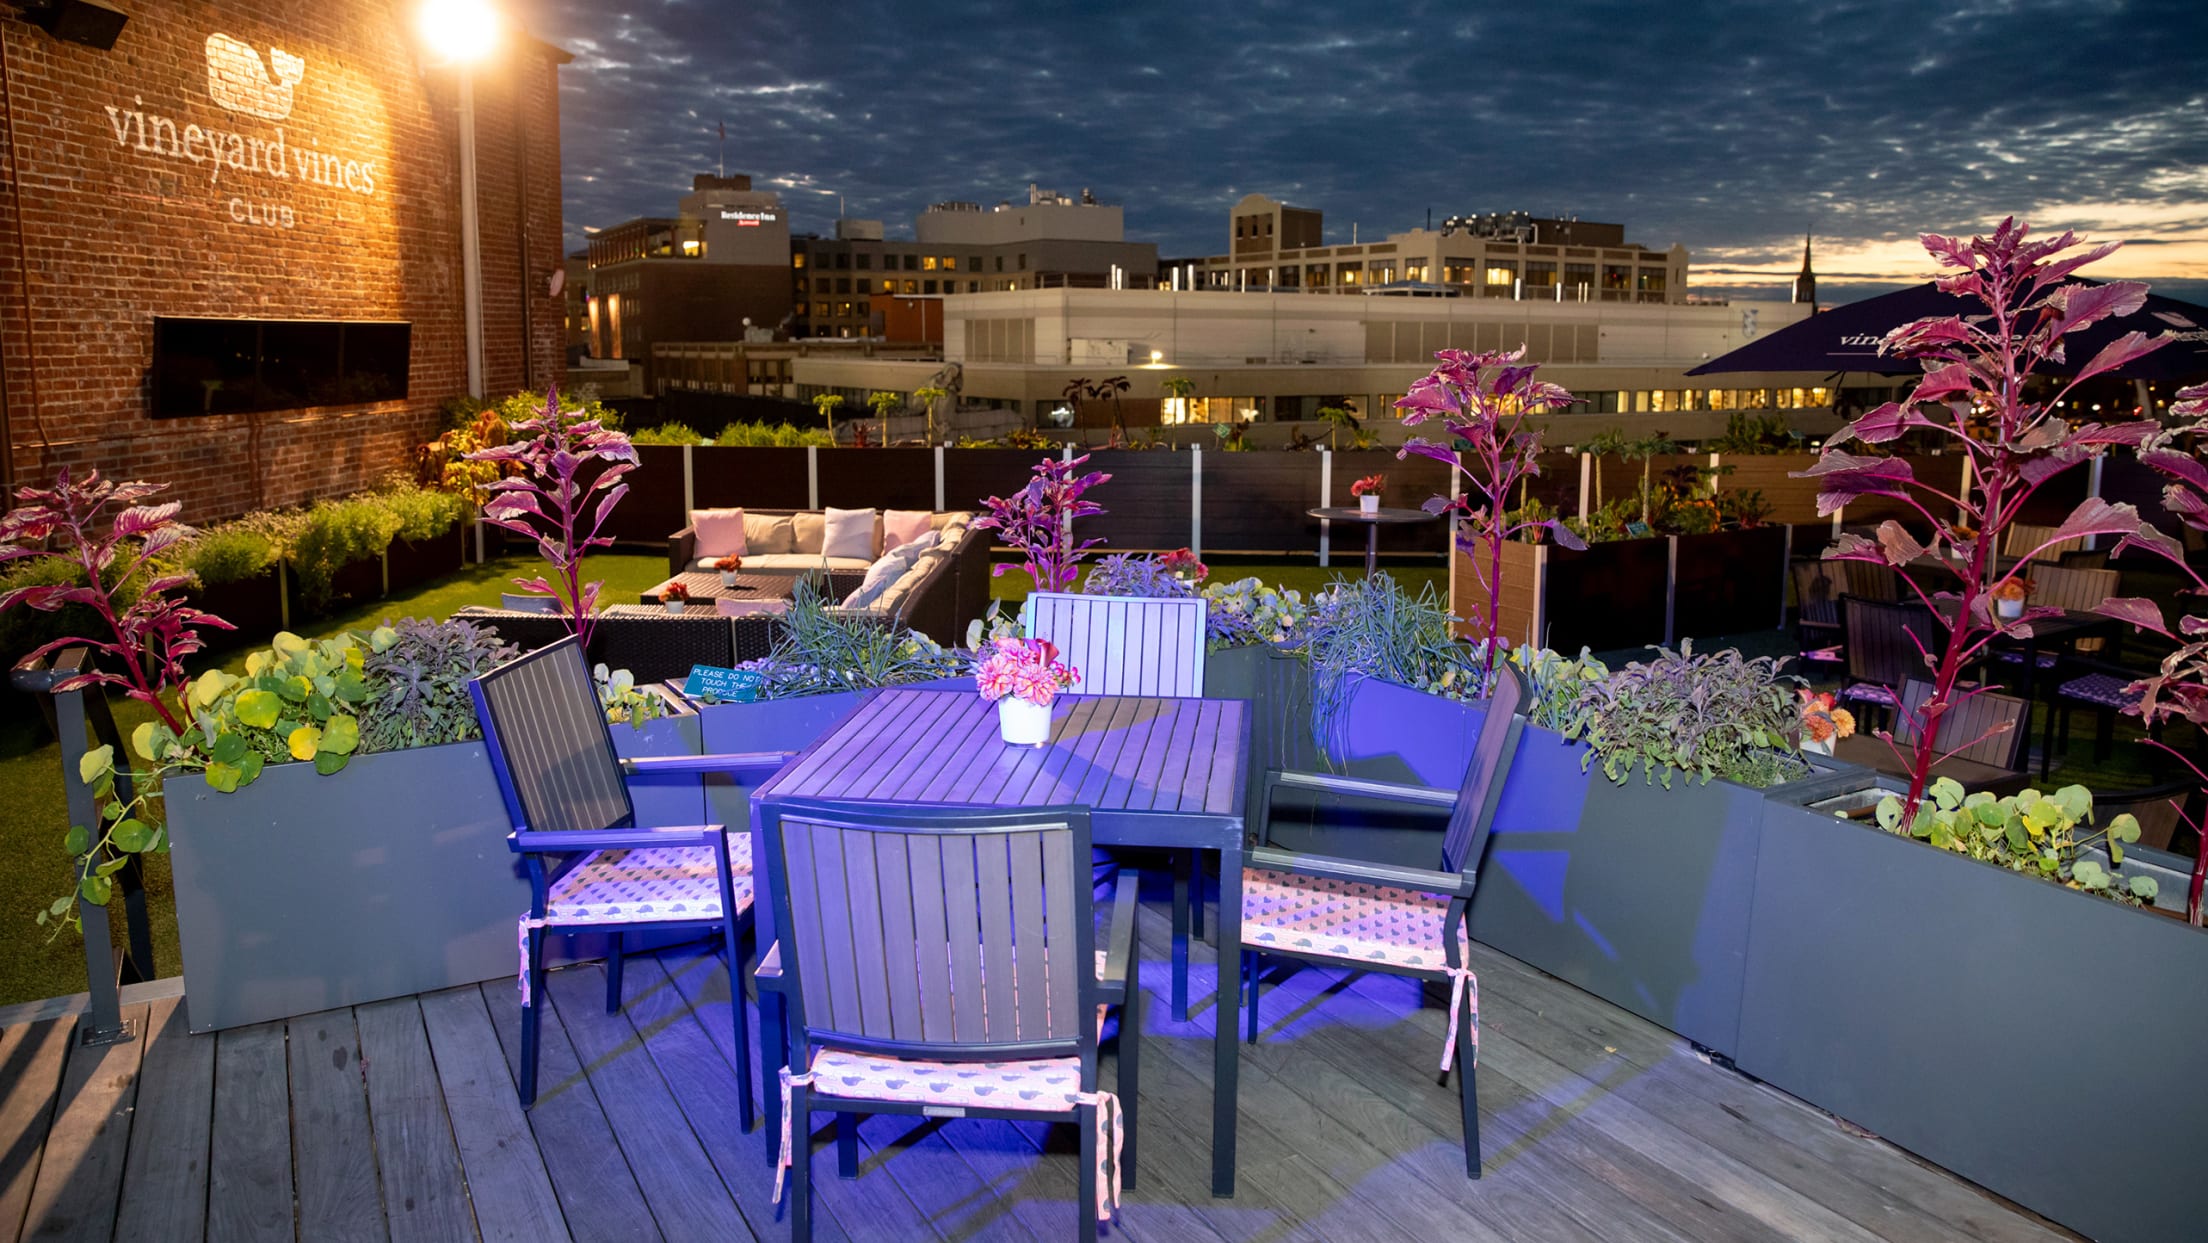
(1414, 271)
(950, 263)
(1501, 273)
(1349, 274)
(797, 258)
(927, 264)
(889, 286)
(912, 286)
(820, 310)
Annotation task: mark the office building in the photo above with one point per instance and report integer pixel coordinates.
(716, 267)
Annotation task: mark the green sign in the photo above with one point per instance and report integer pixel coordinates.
(723, 685)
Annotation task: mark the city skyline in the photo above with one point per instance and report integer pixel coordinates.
(1731, 128)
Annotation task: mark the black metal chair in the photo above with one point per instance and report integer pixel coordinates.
(590, 866)
(1385, 917)
(941, 960)
(1881, 654)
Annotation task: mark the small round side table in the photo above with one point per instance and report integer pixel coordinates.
(1372, 523)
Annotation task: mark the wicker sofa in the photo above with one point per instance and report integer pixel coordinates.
(945, 589)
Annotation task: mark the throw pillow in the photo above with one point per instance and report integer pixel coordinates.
(848, 533)
(806, 527)
(903, 526)
(720, 532)
(769, 534)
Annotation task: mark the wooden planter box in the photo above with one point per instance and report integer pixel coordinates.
(1635, 893)
(301, 892)
(2035, 1040)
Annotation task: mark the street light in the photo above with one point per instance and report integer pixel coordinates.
(460, 33)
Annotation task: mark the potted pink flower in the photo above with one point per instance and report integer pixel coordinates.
(1022, 677)
(1367, 492)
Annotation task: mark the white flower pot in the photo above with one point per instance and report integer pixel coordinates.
(2008, 610)
(1369, 503)
(728, 578)
(1022, 723)
(1814, 747)
(673, 606)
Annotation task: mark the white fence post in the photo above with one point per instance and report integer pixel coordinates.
(689, 486)
(1196, 501)
(939, 479)
(2093, 489)
(1586, 476)
(812, 476)
(1326, 500)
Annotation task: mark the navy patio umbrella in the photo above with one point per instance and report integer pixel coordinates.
(1846, 337)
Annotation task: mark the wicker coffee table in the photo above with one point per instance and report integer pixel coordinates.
(705, 587)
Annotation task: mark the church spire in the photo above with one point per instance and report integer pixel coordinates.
(1805, 285)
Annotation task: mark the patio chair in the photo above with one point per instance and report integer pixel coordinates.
(2096, 559)
(1818, 586)
(2096, 685)
(2160, 810)
(591, 867)
(1880, 653)
(941, 961)
(1134, 645)
(2023, 538)
(1981, 739)
(2080, 588)
(1386, 917)
(528, 602)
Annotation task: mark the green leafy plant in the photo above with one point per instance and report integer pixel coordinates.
(417, 682)
(421, 513)
(624, 701)
(1753, 435)
(667, 434)
(300, 699)
(1722, 715)
(772, 436)
(1645, 450)
(826, 404)
(1556, 681)
(1248, 611)
(334, 534)
(1744, 508)
(230, 553)
(2040, 834)
(927, 396)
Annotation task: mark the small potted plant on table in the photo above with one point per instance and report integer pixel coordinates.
(729, 567)
(674, 596)
(1367, 492)
(1022, 677)
(2009, 596)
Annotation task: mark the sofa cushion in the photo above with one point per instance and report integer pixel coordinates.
(904, 586)
(903, 526)
(809, 527)
(848, 533)
(792, 563)
(770, 533)
(720, 532)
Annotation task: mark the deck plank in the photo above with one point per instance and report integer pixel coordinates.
(249, 1145)
(333, 1153)
(507, 1181)
(80, 1178)
(423, 1193)
(598, 1193)
(677, 1178)
(165, 1182)
(32, 1056)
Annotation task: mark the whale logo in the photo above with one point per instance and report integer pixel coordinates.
(240, 81)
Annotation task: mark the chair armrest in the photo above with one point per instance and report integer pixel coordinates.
(560, 842)
(1362, 787)
(734, 761)
(682, 548)
(768, 974)
(1119, 946)
(1330, 867)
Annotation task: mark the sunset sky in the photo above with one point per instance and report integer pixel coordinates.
(1729, 127)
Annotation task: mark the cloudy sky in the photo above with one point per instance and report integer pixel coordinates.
(1725, 125)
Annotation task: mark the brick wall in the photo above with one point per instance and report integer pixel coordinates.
(100, 233)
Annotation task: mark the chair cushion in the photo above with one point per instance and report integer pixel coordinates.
(2010, 656)
(1825, 655)
(902, 526)
(1869, 692)
(847, 533)
(1043, 1083)
(1349, 920)
(2101, 689)
(720, 532)
(658, 883)
(879, 577)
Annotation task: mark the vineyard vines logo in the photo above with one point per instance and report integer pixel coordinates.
(239, 81)
(1861, 338)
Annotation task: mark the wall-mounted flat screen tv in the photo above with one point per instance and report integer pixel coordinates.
(241, 366)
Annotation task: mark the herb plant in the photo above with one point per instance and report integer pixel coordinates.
(1372, 628)
(417, 683)
(1135, 574)
(823, 649)
(1723, 715)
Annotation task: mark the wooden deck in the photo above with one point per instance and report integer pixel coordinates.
(398, 1121)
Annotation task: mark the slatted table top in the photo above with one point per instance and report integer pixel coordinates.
(1122, 754)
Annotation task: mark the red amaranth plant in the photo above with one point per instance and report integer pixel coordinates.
(148, 638)
(1484, 400)
(1037, 522)
(1973, 393)
(550, 504)
(2178, 690)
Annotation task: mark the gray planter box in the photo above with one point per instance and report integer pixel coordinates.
(302, 892)
(1635, 893)
(1278, 687)
(1387, 732)
(2029, 1038)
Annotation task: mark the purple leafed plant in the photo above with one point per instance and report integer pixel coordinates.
(2179, 688)
(1973, 393)
(1484, 401)
(146, 639)
(1037, 522)
(551, 504)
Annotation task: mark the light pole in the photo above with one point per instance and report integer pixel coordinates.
(460, 33)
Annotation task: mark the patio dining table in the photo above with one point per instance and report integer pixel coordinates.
(1154, 772)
